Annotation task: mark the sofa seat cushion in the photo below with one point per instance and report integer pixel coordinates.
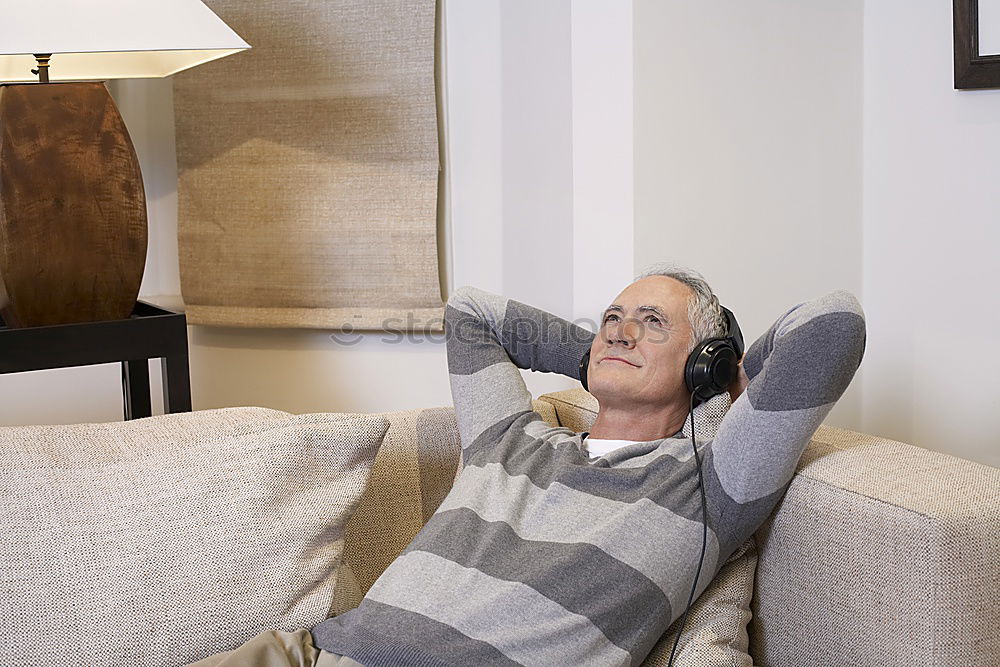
(163, 540)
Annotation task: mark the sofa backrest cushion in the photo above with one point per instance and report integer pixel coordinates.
(163, 540)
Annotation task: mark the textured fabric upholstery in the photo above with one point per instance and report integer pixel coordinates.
(575, 409)
(162, 540)
(881, 553)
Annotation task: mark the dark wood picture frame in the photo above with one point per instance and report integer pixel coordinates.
(971, 69)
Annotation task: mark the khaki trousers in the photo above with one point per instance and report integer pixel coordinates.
(277, 649)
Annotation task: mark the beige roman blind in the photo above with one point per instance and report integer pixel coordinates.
(308, 169)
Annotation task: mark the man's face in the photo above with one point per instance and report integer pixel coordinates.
(640, 350)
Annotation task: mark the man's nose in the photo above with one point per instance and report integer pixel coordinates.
(625, 333)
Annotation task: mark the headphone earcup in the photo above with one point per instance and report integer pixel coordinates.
(710, 368)
(584, 365)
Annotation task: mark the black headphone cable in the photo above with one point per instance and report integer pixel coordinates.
(704, 534)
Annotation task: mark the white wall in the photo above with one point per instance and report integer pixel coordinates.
(748, 151)
(603, 155)
(537, 172)
(931, 264)
(473, 159)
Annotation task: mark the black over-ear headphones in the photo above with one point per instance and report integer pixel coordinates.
(711, 366)
(714, 363)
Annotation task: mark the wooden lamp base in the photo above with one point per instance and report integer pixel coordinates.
(72, 206)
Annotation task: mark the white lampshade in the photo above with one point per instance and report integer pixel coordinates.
(110, 39)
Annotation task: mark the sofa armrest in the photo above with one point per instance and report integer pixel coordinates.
(880, 553)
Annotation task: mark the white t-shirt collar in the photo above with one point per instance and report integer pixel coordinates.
(597, 447)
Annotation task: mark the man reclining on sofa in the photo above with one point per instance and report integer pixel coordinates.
(561, 548)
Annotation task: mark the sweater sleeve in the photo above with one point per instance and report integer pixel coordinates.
(797, 370)
(489, 337)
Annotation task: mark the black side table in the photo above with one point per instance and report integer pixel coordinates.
(151, 332)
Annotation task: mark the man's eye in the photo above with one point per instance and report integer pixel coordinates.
(652, 318)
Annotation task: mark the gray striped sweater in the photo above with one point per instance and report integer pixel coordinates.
(541, 556)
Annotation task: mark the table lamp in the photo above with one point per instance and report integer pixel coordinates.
(72, 204)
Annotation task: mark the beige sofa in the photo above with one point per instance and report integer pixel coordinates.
(880, 553)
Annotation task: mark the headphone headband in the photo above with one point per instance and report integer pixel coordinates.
(733, 333)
